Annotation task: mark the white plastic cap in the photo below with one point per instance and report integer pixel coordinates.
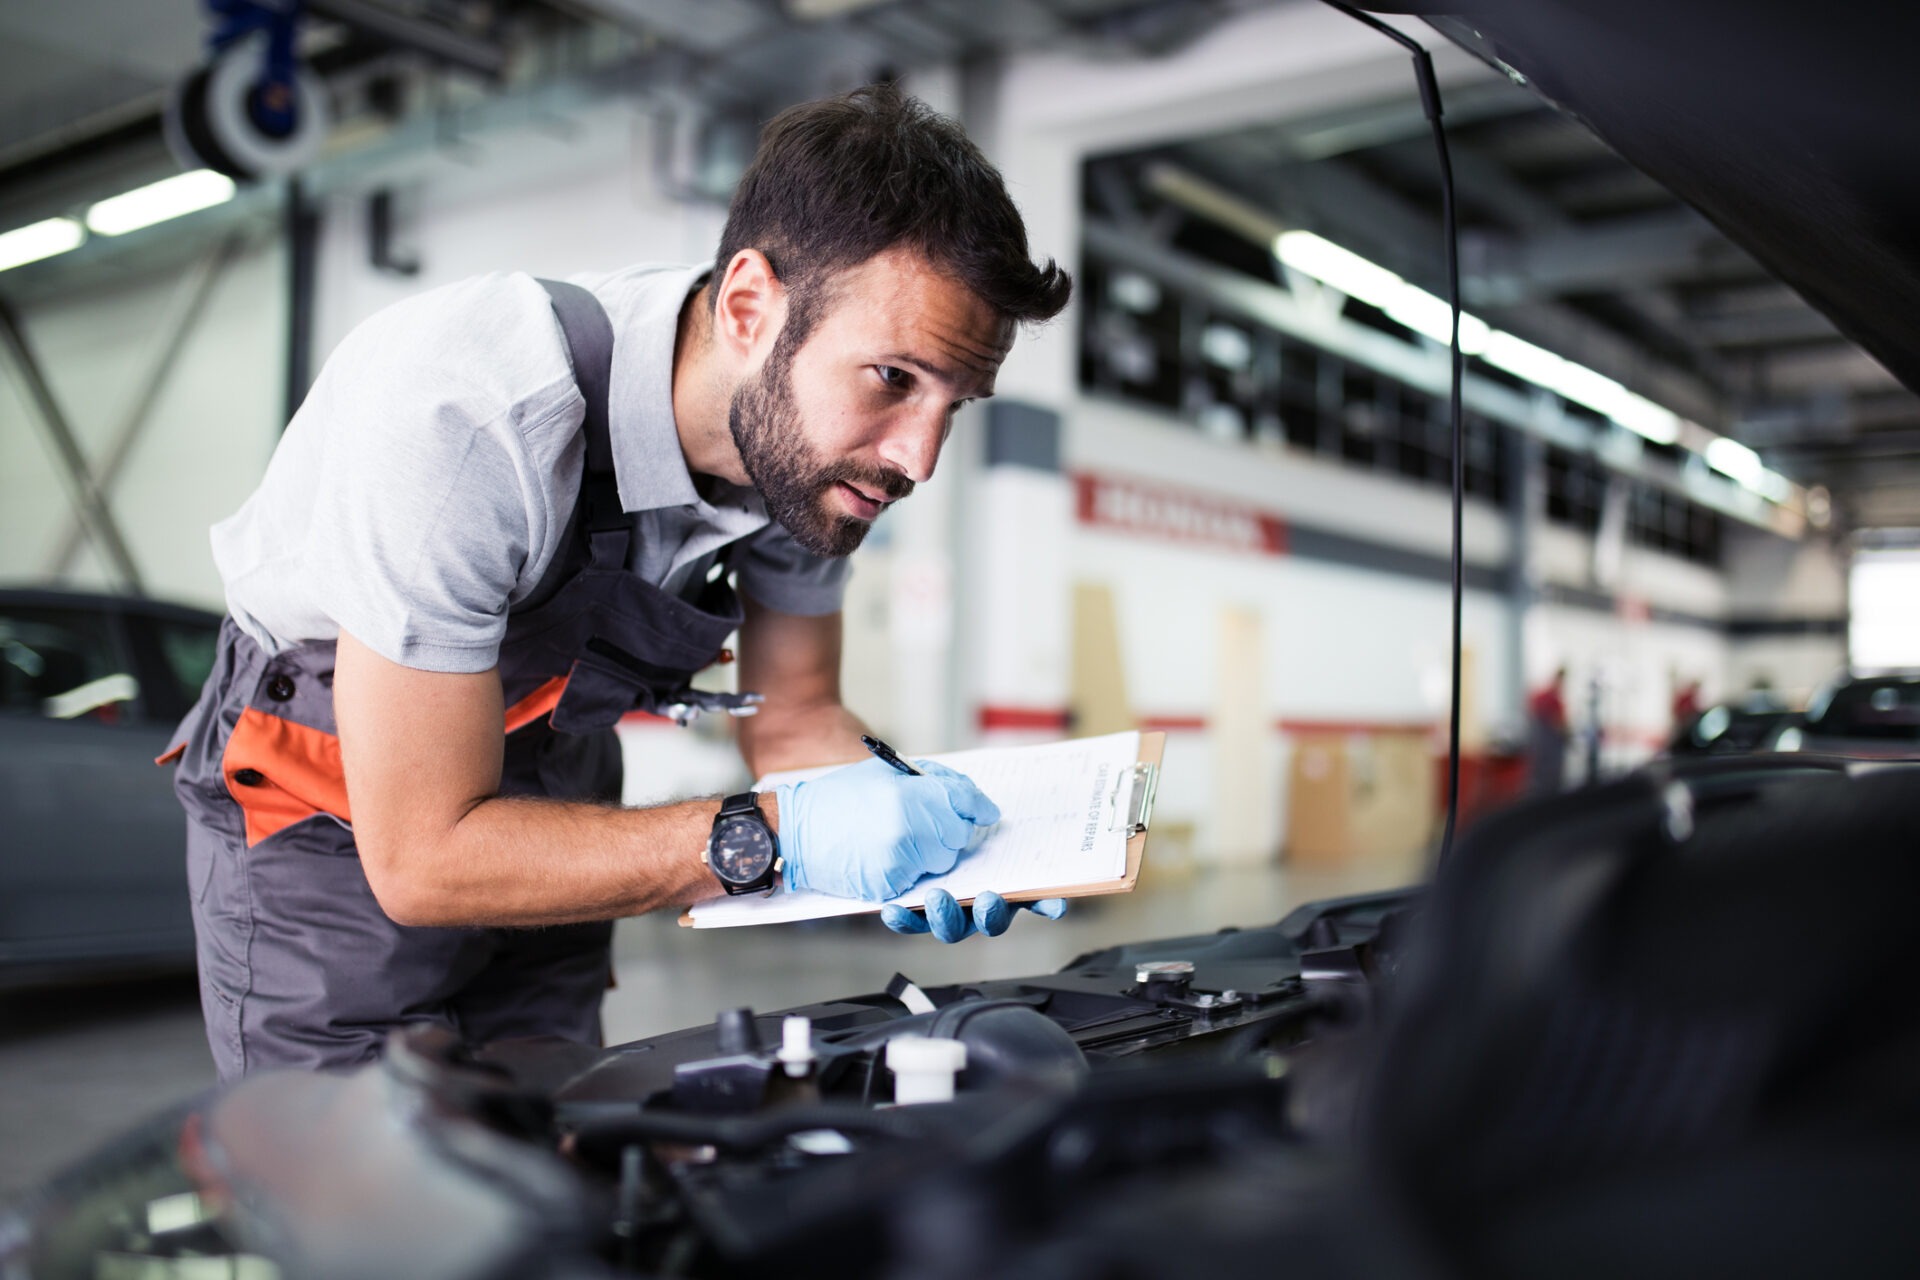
(796, 1044)
(923, 1068)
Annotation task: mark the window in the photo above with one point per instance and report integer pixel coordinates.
(1130, 336)
(1669, 523)
(1576, 488)
(1230, 376)
(1884, 599)
(63, 664)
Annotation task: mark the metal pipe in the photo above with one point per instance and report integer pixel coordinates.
(303, 243)
(482, 57)
(85, 494)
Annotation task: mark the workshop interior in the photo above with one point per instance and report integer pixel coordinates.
(1480, 461)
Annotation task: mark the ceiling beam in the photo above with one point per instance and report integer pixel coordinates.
(1337, 200)
(1394, 120)
(1500, 270)
(1798, 325)
(1485, 183)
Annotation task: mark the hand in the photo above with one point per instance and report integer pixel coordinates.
(945, 920)
(868, 832)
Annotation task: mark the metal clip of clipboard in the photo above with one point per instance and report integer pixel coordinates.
(1133, 793)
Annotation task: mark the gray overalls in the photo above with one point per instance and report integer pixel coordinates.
(299, 966)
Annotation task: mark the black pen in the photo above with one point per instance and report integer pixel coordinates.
(888, 754)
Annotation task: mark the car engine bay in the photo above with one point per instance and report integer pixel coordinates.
(1618, 1032)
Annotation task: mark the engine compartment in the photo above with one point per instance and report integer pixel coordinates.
(1645, 1028)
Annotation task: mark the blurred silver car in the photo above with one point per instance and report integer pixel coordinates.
(92, 842)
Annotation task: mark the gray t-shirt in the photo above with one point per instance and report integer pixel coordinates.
(426, 483)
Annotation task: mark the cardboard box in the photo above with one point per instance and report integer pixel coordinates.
(1364, 794)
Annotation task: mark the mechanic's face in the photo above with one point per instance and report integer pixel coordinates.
(835, 431)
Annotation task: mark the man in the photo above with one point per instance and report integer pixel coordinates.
(1547, 737)
(509, 512)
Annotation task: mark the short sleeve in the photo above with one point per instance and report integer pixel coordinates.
(778, 573)
(429, 511)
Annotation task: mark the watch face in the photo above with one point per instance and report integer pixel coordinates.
(741, 852)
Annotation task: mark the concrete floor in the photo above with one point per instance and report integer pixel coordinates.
(80, 1065)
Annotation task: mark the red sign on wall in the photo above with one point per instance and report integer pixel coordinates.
(1177, 515)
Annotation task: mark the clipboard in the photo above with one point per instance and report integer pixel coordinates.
(1129, 805)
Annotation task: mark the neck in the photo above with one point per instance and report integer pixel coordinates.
(702, 395)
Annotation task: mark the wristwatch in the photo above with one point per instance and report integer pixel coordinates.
(743, 853)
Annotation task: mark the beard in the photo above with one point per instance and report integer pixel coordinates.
(792, 479)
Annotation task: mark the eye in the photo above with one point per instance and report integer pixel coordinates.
(895, 379)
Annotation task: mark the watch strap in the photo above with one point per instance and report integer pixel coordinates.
(746, 805)
(745, 802)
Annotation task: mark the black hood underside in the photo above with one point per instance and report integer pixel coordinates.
(1794, 127)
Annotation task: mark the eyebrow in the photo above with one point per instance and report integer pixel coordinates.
(944, 374)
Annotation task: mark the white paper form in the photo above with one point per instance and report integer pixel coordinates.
(1057, 828)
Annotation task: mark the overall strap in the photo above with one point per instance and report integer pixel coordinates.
(589, 337)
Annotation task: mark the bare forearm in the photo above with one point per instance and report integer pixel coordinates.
(799, 738)
(523, 861)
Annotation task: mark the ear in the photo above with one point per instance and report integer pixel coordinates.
(750, 305)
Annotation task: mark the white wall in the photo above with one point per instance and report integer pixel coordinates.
(577, 195)
(1773, 580)
(208, 437)
(552, 201)
(1770, 577)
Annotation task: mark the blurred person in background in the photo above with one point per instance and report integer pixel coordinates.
(1686, 706)
(1547, 737)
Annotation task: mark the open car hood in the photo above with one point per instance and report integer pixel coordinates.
(1791, 125)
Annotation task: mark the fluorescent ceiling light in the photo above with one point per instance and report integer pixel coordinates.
(39, 240)
(1424, 313)
(1583, 386)
(1775, 487)
(1737, 462)
(156, 202)
(1522, 359)
(1371, 283)
(1643, 417)
(1344, 269)
(822, 10)
(1432, 316)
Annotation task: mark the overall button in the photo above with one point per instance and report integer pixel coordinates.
(249, 777)
(280, 688)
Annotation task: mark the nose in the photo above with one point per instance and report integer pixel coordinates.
(913, 447)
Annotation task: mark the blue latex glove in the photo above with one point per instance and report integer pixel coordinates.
(869, 832)
(946, 920)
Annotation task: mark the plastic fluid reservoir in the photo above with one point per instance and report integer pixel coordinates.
(796, 1045)
(924, 1068)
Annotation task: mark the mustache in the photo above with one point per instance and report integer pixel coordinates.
(890, 485)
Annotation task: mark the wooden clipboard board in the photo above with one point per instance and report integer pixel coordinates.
(1134, 806)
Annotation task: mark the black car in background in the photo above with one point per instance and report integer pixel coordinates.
(1876, 717)
(1737, 727)
(94, 870)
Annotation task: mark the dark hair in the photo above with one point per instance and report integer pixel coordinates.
(839, 180)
